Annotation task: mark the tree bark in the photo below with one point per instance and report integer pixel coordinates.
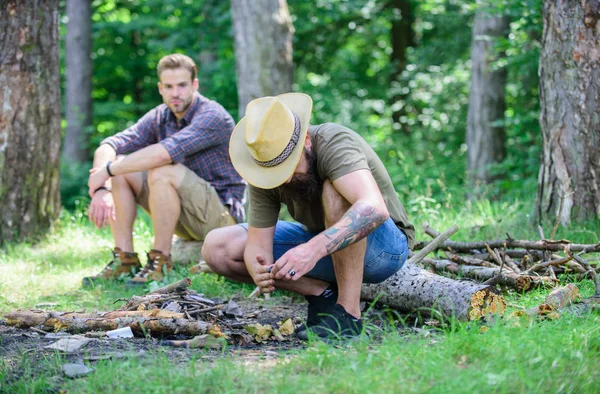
(485, 128)
(402, 37)
(30, 130)
(155, 322)
(569, 178)
(263, 49)
(413, 288)
(79, 81)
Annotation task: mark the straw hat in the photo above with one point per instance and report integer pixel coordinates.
(266, 145)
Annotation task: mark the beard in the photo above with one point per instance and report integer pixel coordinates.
(182, 106)
(304, 187)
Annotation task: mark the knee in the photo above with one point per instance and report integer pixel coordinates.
(159, 175)
(223, 245)
(334, 204)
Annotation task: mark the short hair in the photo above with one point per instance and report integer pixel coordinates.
(177, 60)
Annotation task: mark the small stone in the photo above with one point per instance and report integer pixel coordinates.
(74, 371)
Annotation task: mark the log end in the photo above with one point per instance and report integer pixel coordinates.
(484, 303)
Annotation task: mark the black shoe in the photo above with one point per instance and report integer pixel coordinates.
(338, 325)
(318, 307)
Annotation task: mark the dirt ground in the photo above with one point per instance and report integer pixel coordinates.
(16, 343)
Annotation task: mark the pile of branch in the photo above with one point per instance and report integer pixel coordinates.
(518, 264)
(170, 310)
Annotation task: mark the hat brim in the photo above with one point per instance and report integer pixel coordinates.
(270, 177)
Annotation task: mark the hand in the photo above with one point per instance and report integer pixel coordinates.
(295, 263)
(261, 274)
(98, 177)
(102, 208)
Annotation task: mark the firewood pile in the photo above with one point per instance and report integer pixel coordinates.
(521, 265)
(173, 311)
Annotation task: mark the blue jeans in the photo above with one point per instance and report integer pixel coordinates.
(387, 250)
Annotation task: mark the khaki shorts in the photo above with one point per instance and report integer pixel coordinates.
(201, 207)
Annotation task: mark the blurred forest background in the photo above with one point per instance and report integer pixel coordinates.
(346, 55)
(446, 91)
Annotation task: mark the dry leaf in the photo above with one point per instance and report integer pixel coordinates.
(260, 332)
(287, 327)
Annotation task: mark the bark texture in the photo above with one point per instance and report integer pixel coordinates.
(485, 132)
(263, 49)
(30, 130)
(79, 81)
(402, 37)
(413, 288)
(569, 178)
(156, 323)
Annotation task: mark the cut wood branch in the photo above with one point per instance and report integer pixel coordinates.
(79, 323)
(545, 245)
(177, 287)
(494, 276)
(466, 260)
(433, 245)
(539, 266)
(590, 270)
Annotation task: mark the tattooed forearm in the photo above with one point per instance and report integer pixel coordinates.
(360, 220)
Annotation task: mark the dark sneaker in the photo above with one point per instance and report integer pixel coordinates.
(157, 267)
(338, 325)
(318, 307)
(123, 263)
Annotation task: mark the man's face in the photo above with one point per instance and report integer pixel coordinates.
(177, 90)
(304, 184)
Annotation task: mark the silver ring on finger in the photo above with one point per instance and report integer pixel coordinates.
(292, 272)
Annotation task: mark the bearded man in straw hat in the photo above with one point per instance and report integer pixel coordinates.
(173, 163)
(351, 229)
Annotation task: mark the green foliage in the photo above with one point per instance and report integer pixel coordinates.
(342, 57)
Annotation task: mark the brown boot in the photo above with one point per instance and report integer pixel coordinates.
(158, 265)
(123, 263)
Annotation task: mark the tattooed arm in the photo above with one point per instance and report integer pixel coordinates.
(367, 210)
(360, 220)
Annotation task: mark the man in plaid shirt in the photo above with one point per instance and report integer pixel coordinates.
(174, 162)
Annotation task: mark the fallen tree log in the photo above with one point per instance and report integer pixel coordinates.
(415, 289)
(151, 323)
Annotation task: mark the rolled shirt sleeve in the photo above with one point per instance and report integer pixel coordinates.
(142, 134)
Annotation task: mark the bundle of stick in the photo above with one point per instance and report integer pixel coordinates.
(518, 264)
(170, 310)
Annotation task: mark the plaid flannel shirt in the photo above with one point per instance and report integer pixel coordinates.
(199, 141)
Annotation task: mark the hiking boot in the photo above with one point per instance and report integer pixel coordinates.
(123, 263)
(339, 325)
(157, 267)
(319, 307)
(199, 268)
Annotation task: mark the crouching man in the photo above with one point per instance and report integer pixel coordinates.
(351, 229)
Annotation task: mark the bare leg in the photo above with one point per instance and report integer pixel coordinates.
(223, 251)
(124, 190)
(164, 204)
(348, 263)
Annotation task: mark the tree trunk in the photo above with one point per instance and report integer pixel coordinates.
(29, 117)
(413, 288)
(79, 81)
(485, 129)
(402, 37)
(569, 178)
(263, 49)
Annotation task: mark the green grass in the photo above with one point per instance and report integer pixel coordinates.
(511, 356)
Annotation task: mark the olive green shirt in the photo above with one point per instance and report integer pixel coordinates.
(339, 151)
